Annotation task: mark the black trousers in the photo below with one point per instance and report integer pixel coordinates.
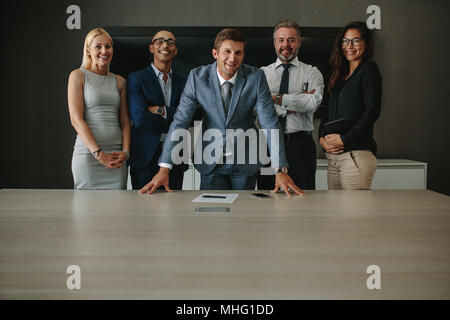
(141, 176)
(302, 159)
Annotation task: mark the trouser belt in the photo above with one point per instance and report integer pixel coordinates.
(296, 134)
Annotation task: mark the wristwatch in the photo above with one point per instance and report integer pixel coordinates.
(282, 169)
(160, 110)
(278, 99)
(96, 153)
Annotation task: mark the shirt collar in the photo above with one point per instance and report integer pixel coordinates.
(159, 74)
(294, 62)
(222, 80)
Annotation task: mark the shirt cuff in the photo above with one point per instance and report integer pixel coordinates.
(165, 165)
(281, 111)
(317, 96)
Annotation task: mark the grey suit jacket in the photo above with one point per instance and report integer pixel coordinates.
(250, 92)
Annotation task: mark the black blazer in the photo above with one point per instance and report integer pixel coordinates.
(359, 99)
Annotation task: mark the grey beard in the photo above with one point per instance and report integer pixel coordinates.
(289, 59)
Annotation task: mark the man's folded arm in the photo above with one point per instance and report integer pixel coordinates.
(305, 102)
(137, 105)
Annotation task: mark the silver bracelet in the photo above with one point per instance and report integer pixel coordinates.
(126, 152)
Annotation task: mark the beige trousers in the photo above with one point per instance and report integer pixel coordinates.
(351, 170)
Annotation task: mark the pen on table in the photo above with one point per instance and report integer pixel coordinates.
(217, 197)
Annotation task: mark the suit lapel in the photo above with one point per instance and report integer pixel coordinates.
(214, 83)
(174, 90)
(236, 93)
(156, 87)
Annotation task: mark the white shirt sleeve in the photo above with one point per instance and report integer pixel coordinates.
(305, 102)
(165, 165)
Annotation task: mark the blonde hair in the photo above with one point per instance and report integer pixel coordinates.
(86, 64)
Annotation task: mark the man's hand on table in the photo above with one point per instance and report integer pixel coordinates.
(160, 179)
(285, 181)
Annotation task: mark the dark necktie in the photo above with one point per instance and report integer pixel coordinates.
(225, 90)
(284, 88)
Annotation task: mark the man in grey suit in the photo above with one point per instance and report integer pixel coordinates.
(227, 92)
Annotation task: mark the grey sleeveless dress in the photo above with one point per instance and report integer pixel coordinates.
(101, 112)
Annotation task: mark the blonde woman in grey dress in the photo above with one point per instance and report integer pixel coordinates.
(98, 112)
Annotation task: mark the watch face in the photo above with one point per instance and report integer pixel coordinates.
(284, 170)
(159, 110)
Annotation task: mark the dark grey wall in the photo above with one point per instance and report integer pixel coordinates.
(38, 53)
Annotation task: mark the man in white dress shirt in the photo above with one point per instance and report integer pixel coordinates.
(297, 90)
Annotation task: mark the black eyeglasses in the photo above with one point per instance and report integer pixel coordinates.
(160, 42)
(356, 42)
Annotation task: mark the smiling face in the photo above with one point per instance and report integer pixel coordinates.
(353, 53)
(163, 52)
(229, 57)
(286, 44)
(100, 51)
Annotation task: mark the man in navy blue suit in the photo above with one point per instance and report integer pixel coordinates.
(227, 92)
(153, 96)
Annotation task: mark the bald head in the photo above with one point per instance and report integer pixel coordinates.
(164, 48)
(164, 34)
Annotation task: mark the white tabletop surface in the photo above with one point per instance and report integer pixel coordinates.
(131, 246)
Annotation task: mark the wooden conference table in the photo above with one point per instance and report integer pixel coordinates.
(131, 246)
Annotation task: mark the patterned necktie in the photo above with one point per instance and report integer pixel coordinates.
(284, 88)
(225, 90)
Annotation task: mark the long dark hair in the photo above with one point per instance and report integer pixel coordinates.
(338, 62)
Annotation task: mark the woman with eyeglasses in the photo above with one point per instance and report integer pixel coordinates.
(346, 129)
(98, 112)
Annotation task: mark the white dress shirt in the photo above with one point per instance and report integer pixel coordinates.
(166, 88)
(222, 80)
(297, 99)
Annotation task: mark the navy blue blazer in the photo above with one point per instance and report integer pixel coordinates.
(250, 92)
(143, 90)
